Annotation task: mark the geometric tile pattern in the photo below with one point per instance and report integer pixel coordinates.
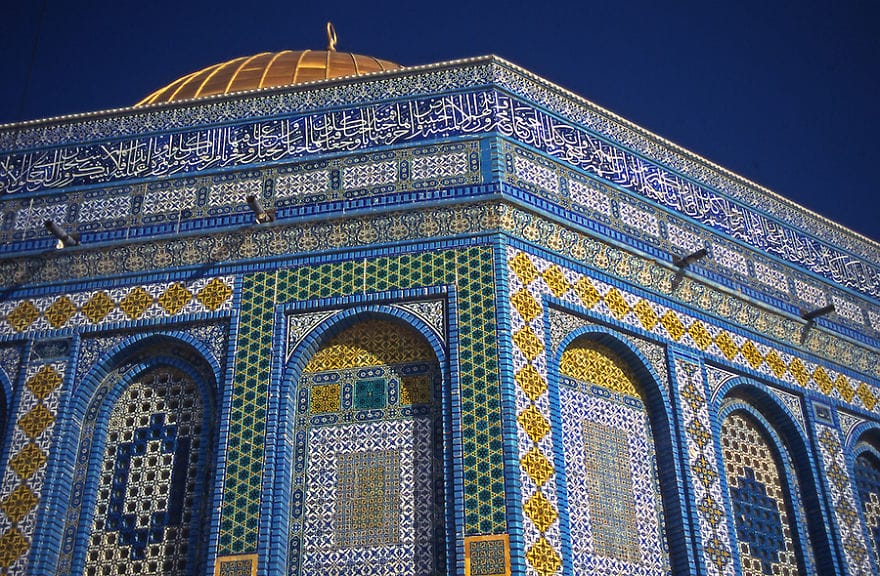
(867, 481)
(470, 268)
(669, 324)
(487, 555)
(704, 472)
(843, 500)
(116, 305)
(367, 497)
(144, 508)
(240, 565)
(29, 450)
(760, 502)
(614, 498)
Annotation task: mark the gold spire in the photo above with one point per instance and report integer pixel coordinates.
(331, 37)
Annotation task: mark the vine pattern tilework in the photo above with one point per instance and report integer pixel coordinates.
(760, 503)
(471, 270)
(367, 443)
(429, 223)
(614, 499)
(631, 309)
(665, 231)
(169, 205)
(147, 488)
(705, 475)
(468, 75)
(29, 446)
(843, 500)
(103, 307)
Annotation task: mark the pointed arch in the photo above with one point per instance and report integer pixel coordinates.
(366, 419)
(768, 469)
(865, 465)
(143, 426)
(613, 420)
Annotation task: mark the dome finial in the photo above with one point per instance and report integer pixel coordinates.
(331, 37)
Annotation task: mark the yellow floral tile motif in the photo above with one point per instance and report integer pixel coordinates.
(522, 266)
(60, 312)
(540, 511)
(175, 298)
(866, 396)
(616, 303)
(19, 502)
(556, 281)
(34, 422)
(587, 293)
(371, 343)
(844, 388)
(22, 316)
(12, 546)
(820, 376)
(751, 353)
(98, 306)
(673, 325)
(727, 345)
(543, 558)
(415, 389)
(799, 371)
(526, 305)
(589, 361)
(646, 315)
(325, 398)
(43, 382)
(528, 343)
(531, 382)
(136, 303)
(776, 363)
(537, 466)
(534, 423)
(27, 461)
(214, 294)
(700, 335)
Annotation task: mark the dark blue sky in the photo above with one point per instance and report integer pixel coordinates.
(785, 93)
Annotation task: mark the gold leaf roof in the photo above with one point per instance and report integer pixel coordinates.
(267, 70)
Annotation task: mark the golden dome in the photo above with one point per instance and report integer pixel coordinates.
(267, 70)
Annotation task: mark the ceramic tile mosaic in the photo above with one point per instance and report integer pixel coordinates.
(487, 555)
(471, 270)
(240, 565)
(143, 511)
(365, 486)
(760, 502)
(866, 472)
(841, 487)
(623, 306)
(702, 459)
(29, 448)
(116, 305)
(614, 499)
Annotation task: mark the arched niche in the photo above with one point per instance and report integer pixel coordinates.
(140, 491)
(367, 483)
(772, 498)
(610, 412)
(866, 480)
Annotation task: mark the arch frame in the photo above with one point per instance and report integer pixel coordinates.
(78, 448)
(793, 453)
(864, 439)
(661, 418)
(278, 471)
